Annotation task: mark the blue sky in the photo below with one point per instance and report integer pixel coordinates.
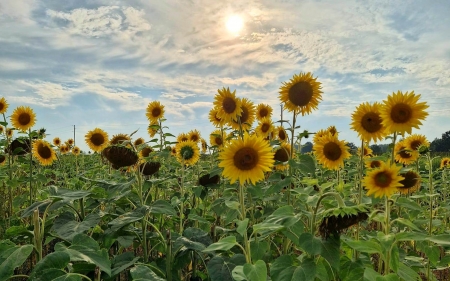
(98, 63)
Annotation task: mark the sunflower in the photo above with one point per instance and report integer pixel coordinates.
(319, 134)
(9, 132)
(410, 183)
(3, 105)
(367, 122)
(138, 142)
(97, 139)
(120, 156)
(331, 152)
(281, 134)
(2, 159)
(23, 118)
(19, 146)
(194, 135)
(371, 164)
(401, 112)
(63, 148)
(217, 139)
(282, 154)
(445, 163)
(227, 105)
(265, 127)
(56, 141)
(155, 111)
(301, 94)
(413, 142)
(145, 152)
(69, 142)
(187, 152)
(263, 111)
(333, 131)
(173, 151)
(152, 129)
(204, 145)
(383, 181)
(367, 151)
(246, 159)
(149, 168)
(182, 137)
(247, 116)
(43, 152)
(403, 155)
(76, 150)
(119, 139)
(216, 121)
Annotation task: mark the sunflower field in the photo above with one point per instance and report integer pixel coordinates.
(242, 203)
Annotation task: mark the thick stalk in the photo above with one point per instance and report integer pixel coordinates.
(247, 252)
(8, 142)
(294, 118)
(31, 169)
(360, 189)
(431, 190)
(387, 228)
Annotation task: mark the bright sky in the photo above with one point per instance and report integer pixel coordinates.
(98, 63)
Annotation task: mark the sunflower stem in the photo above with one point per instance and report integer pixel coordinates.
(431, 190)
(247, 252)
(10, 175)
(31, 169)
(360, 189)
(394, 138)
(181, 197)
(386, 232)
(291, 156)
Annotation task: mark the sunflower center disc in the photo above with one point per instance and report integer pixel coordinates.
(265, 127)
(383, 179)
(416, 144)
(281, 155)
(263, 112)
(246, 158)
(24, 119)
(187, 152)
(146, 151)
(194, 138)
(156, 111)
(229, 105)
(404, 154)
(410, 180)
(401, 113)
(2, 105)
(282, 135)
(375, 164)
(371, 122)
(244, 115)
(301, 93)
(332, 151)
(218, 141)
(97, 139)
(2, 158)
(44, 151)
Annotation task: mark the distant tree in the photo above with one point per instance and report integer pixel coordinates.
(441, 144)
(307, 147)
(379, 149)
(352, 147)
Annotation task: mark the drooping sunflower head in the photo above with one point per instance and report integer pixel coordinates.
(301, 94)
(138, 142)
(281, 134)
(56, 141)
(214, 119)
(187, 152)
(155, 111)
(97, 139)
(331, 152)
(367, 122)
(149, 168)
(247, 116)
(3, 105)
(217, 139)
(403, 111)
(194, 135)
(43, 152)
(228, 105)
(182, 137)
(204, 145)
(208, 180)
(145, 152)
(23, 118)
(373, 163)
(445, 163)
(404, 155)
(120, 156)
(19, 146)
(282, 154)
(383, 181)
(119, 139)
(410, 183)
(413, 142)
(263, 111)
(152, 129)
(246, 159)
(76, 151)
(265, 127)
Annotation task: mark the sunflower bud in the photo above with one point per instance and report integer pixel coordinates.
(423, 149)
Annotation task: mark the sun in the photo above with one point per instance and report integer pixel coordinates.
(234, 24)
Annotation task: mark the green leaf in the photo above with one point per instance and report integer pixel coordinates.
(55, 261)
(279, 265)
(238, 273)
(127, 218)
(265, 229)
(306, 271)
(371, 275)
(67, 227)
(122, 262)
(162, 207)
(259, 249)
(220, 269)
(368, 246)
(223, 244)
(310, 244)
(188, 244)
(330, 250)
(276, 188)
(351, 270)
(256, 272)
(143, 273)
(41, 205)
(306, 164)
(442, 240)
(408, 223)
(406, 273)
(67, 195)
(234, 205)
(68, 277)
(408, 204)
(242, 226)
(15, 259)
(408, 236)
(283, 216)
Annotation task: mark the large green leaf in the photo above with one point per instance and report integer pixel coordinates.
(54, 262)
(143, 273)
(406, 273)
(330, 250)
(259, 249)
(220, 268)
(264, 229)
(367, 246)
(351, 270)
(67, 195)
(312, 245)
(283, 216)
(188, 244)
(40, 205)
(223, 244)
(256, 272)
(161, 207)
(114, 190)
(408, 203)
(68, 277)
(122, 262)
(441, 240)
(15, 259)
(277, 187)
(67, 227)
(305, 164)
(281, 264)
(127, 218)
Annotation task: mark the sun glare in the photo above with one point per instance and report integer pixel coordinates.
(234, 24)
